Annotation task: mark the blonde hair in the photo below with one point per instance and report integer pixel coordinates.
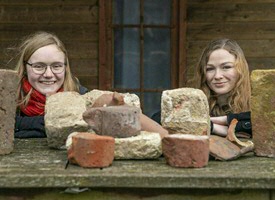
(28, 46)
(239, 96)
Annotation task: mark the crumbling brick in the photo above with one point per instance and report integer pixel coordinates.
(8, 100)
(91, 150)
(115, 121)
(185, 150)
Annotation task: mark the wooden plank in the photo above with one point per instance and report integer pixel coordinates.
(251, 48)
(82, 67)
(228, 1)
(84, 49)
(47, 2)
(228, 12)
(90, 82)
(182, 43)
(233, 30)
(48, 14)
(66, 31)
(34, 165)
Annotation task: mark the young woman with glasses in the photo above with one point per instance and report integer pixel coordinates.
(43, 69)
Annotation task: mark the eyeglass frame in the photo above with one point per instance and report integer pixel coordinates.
(31, 64)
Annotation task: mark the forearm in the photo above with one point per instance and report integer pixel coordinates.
(150, 125)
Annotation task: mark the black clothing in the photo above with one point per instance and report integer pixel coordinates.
(33, 127)
(244, 122)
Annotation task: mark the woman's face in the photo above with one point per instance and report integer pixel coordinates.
(48, 82)
(221, 74)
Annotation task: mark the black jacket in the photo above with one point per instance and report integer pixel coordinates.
(33, 127)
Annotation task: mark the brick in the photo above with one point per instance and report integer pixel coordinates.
(263, 112)
(91, 150)
(185, 150)
(115, 121)
(186, 111)
(94, 96)
(147, 145)
(8, 87)
(63, 115)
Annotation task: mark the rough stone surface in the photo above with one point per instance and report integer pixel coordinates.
(91, 150)
(115, 121)
(185, 150)
(185, 110)
(263, 111)
(8, 87)
(147, 145)
(63, 115)
(129, 99)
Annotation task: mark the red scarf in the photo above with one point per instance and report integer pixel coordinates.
(36, 104)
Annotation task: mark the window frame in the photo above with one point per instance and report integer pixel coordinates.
(178, 45)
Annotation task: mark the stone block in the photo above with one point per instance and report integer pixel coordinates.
(91, 150)
(92, 96)
(185, 150)
(185, 110)
(263, 112)
(63, 115)
(147, 145)
(8, 103)
(115, 121)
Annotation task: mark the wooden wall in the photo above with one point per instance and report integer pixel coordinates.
(74, 21)
(250, 22)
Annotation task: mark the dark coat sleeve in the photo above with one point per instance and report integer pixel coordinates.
(244, 122)
(157, 117)
(83, 90)
(29, 127)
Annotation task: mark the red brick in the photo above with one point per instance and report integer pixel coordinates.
(115, 121)
(91, 150)
(184, 150)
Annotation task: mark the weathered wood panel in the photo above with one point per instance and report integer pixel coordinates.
(235, 30)
(250, 22)
(74, 22)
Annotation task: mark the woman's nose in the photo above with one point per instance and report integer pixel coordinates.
(218, 74)
(48, 72)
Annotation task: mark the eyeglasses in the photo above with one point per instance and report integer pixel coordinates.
(40, 68)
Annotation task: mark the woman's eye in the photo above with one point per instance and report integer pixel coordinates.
(37, 66)
(227, 67)
(208, 69)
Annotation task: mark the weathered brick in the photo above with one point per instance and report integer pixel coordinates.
(263, 111)
(147, 145)
(63, 115)
(8, 87)
(93, 97)
(115, 121)
(91, 150)
(186, 111)
(185, 150)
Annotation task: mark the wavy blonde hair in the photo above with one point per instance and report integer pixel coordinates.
(239, 97)
(28, 46)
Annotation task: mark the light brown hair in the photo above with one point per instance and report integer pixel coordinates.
(239, 97)
(28, 46)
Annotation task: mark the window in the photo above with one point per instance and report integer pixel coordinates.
(140, 48)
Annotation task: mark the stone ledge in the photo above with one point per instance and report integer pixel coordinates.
(34, 165)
